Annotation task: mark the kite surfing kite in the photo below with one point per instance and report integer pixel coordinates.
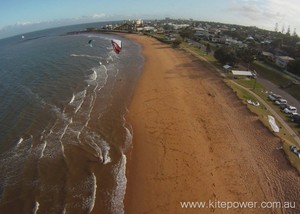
(117, 45)
(90, 43)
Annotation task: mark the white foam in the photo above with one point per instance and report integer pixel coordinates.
(43, 149)
(103, 79)
(94, 75)
(119, 192)
(105, 151)
(36, 207)
(128, 131)
(26, 142)
(64, 210)
(20, 141)
(94, 190)
(110, 59)
(62, 135)
(72, 99)
(128, 139)
(86, 56)
(117, 72)
(82, 95)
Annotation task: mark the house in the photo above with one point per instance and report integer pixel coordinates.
(200, 33)
(227, 68)
(149, 29)
(243, 73)
(268, 55)
(215, 40)
(214, 31)
(282, 61)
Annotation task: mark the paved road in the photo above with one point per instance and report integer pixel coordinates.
(275, 89)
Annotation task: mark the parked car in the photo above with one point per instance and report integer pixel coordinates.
(290, 110)
(295, 150)
(274, 97)
(283, 106)
(295, 117)
(280, 101)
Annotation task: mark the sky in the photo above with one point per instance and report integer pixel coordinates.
(20, 16)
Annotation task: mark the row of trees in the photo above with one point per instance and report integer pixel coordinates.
(231, 56)
(289, 45)
(294, 67)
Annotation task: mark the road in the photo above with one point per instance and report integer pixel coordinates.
(275, 89)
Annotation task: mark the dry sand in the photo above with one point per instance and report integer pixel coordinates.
(193, 140)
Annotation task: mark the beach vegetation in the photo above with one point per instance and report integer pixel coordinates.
(176, 43)
(198, 52)
(294, 67)
(262, 113)
(226, 55)
(187, 33)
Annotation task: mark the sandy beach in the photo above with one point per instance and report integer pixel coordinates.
(194, 140)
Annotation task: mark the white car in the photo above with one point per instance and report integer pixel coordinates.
(281, 101)
(290, 110)
(274, 97)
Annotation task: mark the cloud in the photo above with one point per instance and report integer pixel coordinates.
(99, 16)
(266, 12)
(28, 26)
(24, 23)
(253, 10)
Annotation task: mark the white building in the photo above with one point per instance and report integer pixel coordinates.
(282, 61)
(243, 73)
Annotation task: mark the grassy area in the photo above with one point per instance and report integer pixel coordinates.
(199, 52)
(270, 74)
(259, 90)
(244, 95)
(251, 84)
(263, 113)
(159, 37)
(294, 160)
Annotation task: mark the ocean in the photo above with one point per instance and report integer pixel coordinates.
(64, 136)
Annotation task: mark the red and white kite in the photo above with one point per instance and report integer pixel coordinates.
(117, 45)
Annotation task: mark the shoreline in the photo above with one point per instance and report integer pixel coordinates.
(179, 152)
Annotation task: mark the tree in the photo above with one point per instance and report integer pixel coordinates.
(294, 67)
(176, 43)
(208, 48)
(187, 33)
(226, 55)
(246, 55)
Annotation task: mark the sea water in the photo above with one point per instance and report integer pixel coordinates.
(63, 134)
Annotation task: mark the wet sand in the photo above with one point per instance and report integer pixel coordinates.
(194, 140)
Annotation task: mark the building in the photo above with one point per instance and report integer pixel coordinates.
(243, 73)
(201, 32)
(268, 55)
(138, 22)
(227, 68)
(283, 61)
